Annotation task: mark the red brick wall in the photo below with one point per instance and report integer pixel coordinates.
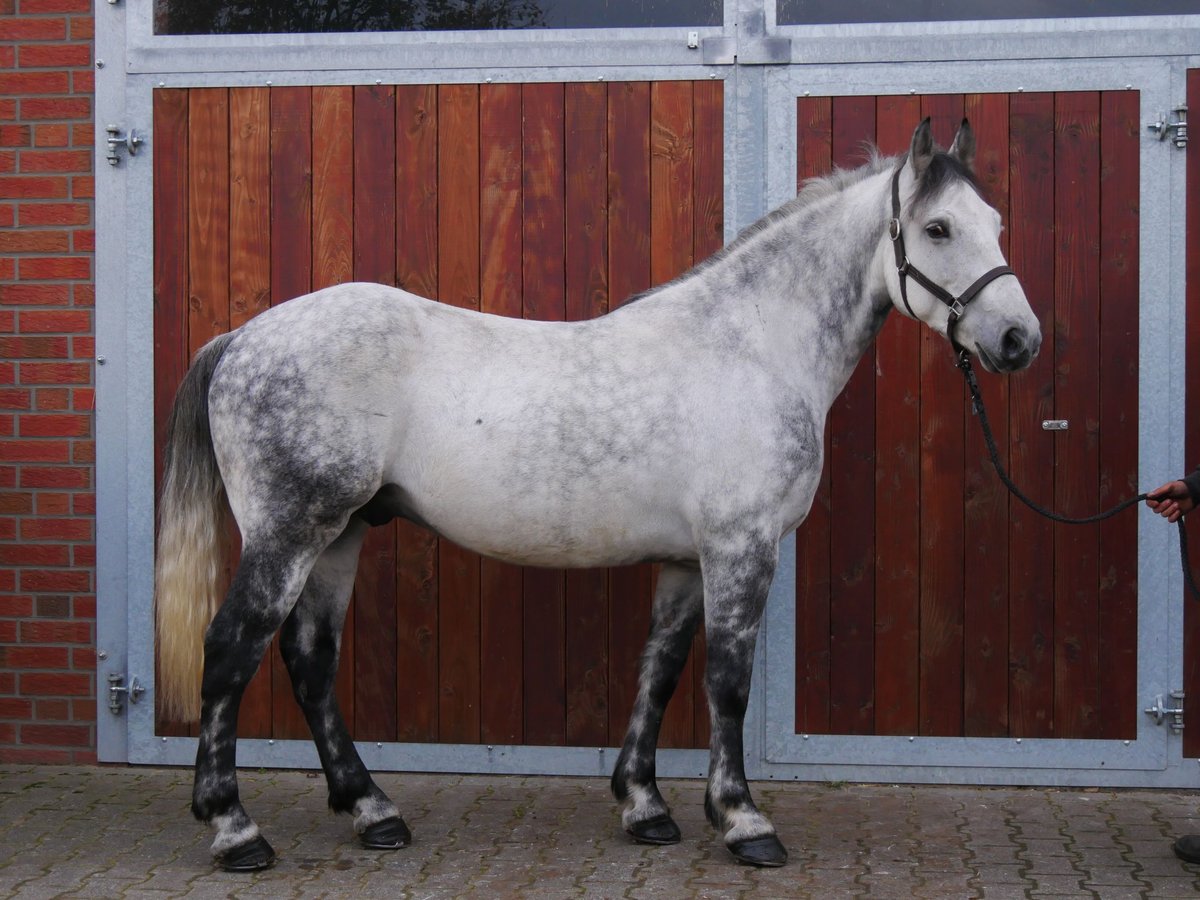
(47, 447)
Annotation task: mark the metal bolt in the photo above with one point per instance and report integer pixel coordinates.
(488, 80)
(162, 84)
(379, 745)
(1018, 740)
(102, 654)
(268, 82)
(100, 360)
(1020, 90)
(489, 748)
(164, 740)
(271, 742)
(99, 64)
(911, 739)
(379, 81)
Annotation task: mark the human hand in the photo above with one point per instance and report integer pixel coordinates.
(1171, 501)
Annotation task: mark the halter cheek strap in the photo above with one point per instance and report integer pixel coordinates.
(905, 268)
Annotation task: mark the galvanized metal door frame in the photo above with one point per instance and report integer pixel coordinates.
(132, 63)
(1155, 756)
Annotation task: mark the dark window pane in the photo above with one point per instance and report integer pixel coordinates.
(314, 16)
(820, 12)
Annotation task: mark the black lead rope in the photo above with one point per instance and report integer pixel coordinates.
(964, 363)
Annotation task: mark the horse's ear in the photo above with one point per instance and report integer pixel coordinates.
(921, 152)
(963, 147)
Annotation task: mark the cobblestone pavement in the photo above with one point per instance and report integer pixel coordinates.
(126, 832)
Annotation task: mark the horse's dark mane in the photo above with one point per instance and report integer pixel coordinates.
(943, 169)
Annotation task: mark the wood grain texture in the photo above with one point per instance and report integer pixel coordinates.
(291, 192)
(897, 482)
(249, 203)
(1119, 312)
(942, 483)
(986, 512)
(1077, 396)
(1191, 610)
(1031, 401)
(851, 464)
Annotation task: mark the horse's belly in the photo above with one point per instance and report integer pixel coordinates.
(527, 527)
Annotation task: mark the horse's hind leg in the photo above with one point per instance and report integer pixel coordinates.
(678, 605)
(268, 580)
(737, 576)
(310, 642)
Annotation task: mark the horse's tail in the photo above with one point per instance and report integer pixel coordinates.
(191, 546)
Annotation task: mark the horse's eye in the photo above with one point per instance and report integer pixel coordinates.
(937, 230)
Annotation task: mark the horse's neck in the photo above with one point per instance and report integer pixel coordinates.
(815, 279)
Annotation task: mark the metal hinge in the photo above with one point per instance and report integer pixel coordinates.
(1172, 715)
(116, 140)
(117, 689)
(1177, 128)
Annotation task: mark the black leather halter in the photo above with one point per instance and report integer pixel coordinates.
(905, 268)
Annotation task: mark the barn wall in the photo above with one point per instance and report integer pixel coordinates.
(47, 450)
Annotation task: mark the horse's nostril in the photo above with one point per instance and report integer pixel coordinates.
(1013, 346)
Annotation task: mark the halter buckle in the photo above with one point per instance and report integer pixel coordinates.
(894, 229)
(958, 309)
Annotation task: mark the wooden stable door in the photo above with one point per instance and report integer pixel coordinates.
(928, 601)
(548, 201)
(1191, 609)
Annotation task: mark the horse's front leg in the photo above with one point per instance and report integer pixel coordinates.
(737, 576)
(310, 643)
(678, 605)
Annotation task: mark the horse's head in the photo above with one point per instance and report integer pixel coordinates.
(945, 266)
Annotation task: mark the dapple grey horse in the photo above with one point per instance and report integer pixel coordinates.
(683, 428)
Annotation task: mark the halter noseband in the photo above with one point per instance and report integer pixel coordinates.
(905, 268)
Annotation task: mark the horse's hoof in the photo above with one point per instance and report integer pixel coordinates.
(386, 834)
(658, 830)
(765, 851)
(248, 857)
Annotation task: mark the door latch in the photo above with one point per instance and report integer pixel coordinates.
(1171, 715)
(117, 690)
(1177, 128)
(116, 140)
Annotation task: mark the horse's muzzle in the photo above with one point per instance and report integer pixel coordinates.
(1018, 348)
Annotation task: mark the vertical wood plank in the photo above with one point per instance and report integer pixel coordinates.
(1031, 400)
(333, 186)
(1119, 296)
(814, 147)
(374, 179)
(291, 192)
(502, 708)
(708, 236)
(458, 284)
(986, 513)
(1191, 611)
(586, 590)
(942, 482)
(417, 665)
(628, 273)
(672, 155)
(897, 482)
(208, 211)
(852, 494)
(170, 279)
(1077, 364)
(333, 263)
(249, 203)
(544, 298)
